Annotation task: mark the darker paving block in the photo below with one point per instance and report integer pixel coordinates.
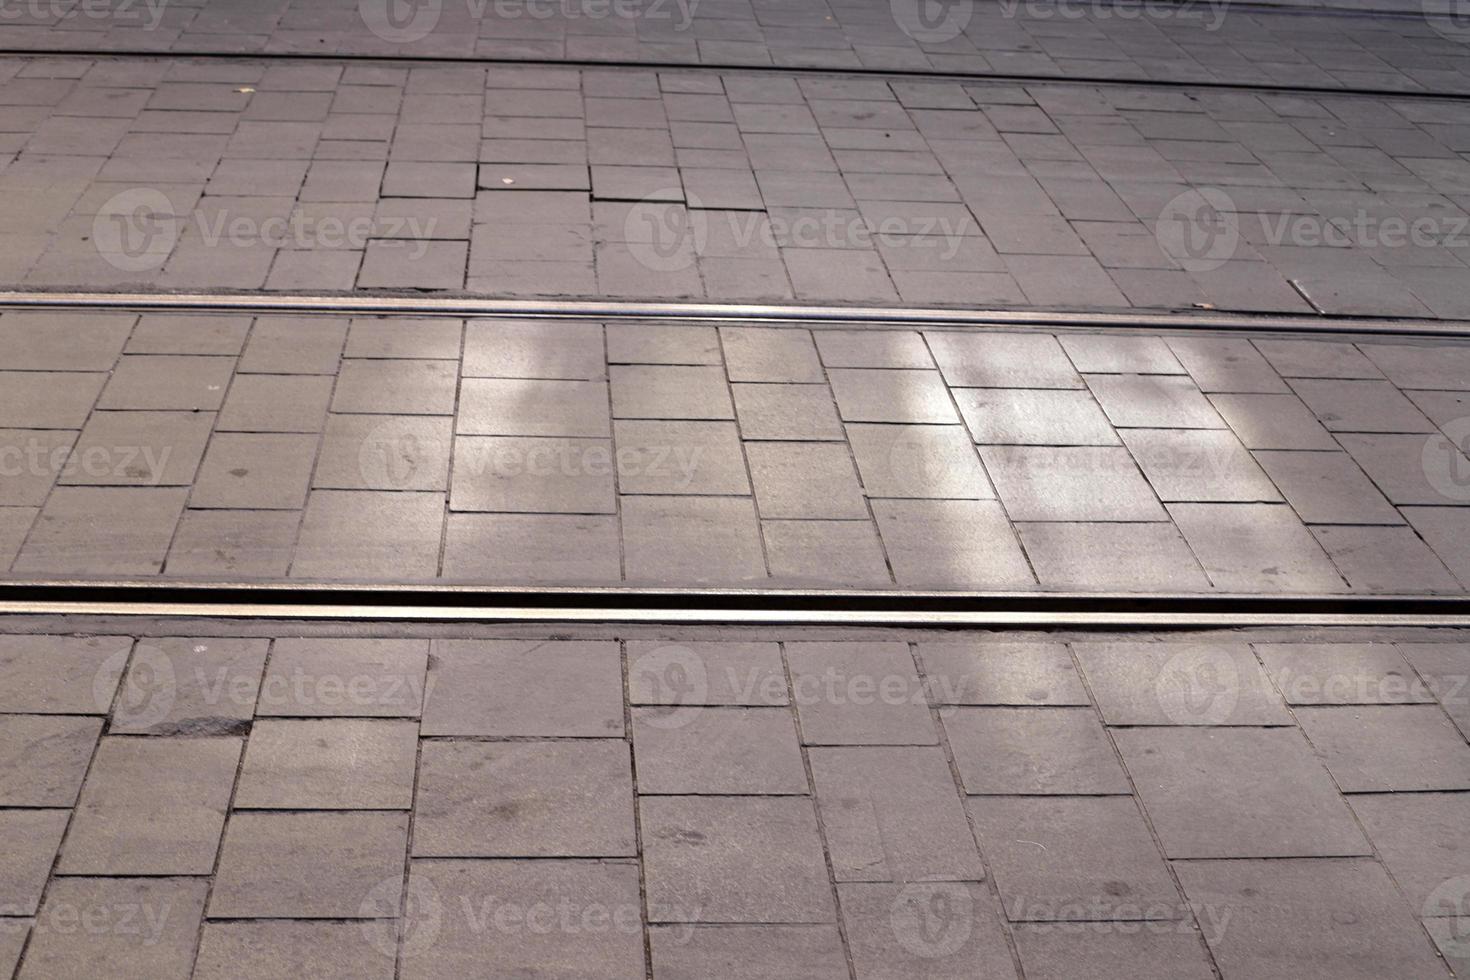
(883, 395)
(1056, 952)
(341, 764)
(179, 685)
(1179, 684)
(1111, 556)
(348, 678)
(1074, 858)
(1340, 919)
(986, 672)
(748, 952)
(1445, 669)
(395, 387)
(999, 360)
(734, 859)
(1385, 559)
(324, 950)
(861, 792)
(102, 530)
(519, 688)
(1412, 469)
(593, 930)
(1079, 483)
(361, 534)
(951, 544)
(1431, 368)
(309, 865)
(1341, 673)
(1388, 748)
(148, 930)
(43, 760)
(1237, 792)
(1316, 359)
(525, 799)
(1034, 751)
(31, 840)
(60, 674)
(685, 540)
(152, 807)
(248, 471)
(859, 694)
(1255, 548)
(942, 930)
(707, 750)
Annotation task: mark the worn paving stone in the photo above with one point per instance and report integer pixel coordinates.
(786, 411)
(1255, 548)
(152, 807)
(1034, 417)
(32, 838)
(189, 686)
(1328, 918)
(682, 749)
(598, 936)
(309, 865)
(141, 449)
(189, 384)
(150, 928)
(1112, 556)
(1050, 952)
(255, 472)
(514, 549)
(1421, 838)
(362, 534)
(275, 403)
(1000, 673)
(44, 759)
(1074, 858)
(1002, 360)
(42, 674)
(859, 694)
(1388, 748)
(748, 952)
(1385, 560)
(893, 931)
(1180, 684)
(734, 859)
(1034, 751)
(706, 673)
(1080, 483)
(811, 552)
(684, 540)
(524, 799)
(328, 950)
(568, 688)
(793, 480)
(1361, 406)
(1341, 673)
(951, 544)
(341, 764)
(1237, 793)
(893, 814)
(344, 678)
(918, 461)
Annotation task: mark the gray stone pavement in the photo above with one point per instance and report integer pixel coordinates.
(573, 453)
(553, 181)
(1417, 45)
(248, 802)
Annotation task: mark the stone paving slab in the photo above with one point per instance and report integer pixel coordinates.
(549, 454)
(726, 840)
(552, 181)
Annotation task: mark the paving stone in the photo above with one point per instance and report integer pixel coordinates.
(1411, 469)
(192, 384)
(559, 549)
(668, 457)
(327, 950)
(138, 449)
(330, 765)
(384, 452)
(644, 343)
(1019, 416)
(706, 673)
(395, 387)
(46, 400)
(686, 540)
(275, 403)
(1388, 748)
(233, 544)
(309, 865)
(1237, 793)
(534, 474)
(416, 265)
(859, 694)
(524, 799)
(32, 839)
(152, 807)
(178, 685)
(809, 552)
(670, 392)
(1033, 751)
(918, 461)
(344, 678)
(1385, 560)
(361, 534)
(44, 759)
(33, 459)
(873, 349)
(1154, 401)
(63, 341)
(1272, 422)
(728, 750)
(1361, 406)
(796, 481)
(1074, 858)
(1441, 407)
(15, 524)
(881, 395)
(1050, 952)
(943, 930)
(1000, 360)
(734, 859)
(786, 411)
(1342, 918)
(598, 935)
(1328, 488)
(1341, 673)
(150, 928)
(1198, 465)
(511, 688)
(60, 674)
(1111, 556)
(1432, 368)
(533, 349)
(1255, 547)
(1180, 684)
(1070, 484)
(404, 337)
(770, 354)
(1000, 673)
(893, 814)
(1421, 839)
(256, 471)
(1105, 354)
(1226, 364)
(82, 531)
(951, 544)
(748, 952)
(1316, 359)
(1445, 669)
(294, 345)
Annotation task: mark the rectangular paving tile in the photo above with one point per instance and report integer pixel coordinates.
(883, 395)
(362, 534)
(948, 544)
(891, 934)
(516, 549)
(150, 928)
(793, 480)
(684, 540)
(666, 391)
(395, 387)
(1266, 421)
(344, 678)
(1180, 684)
(546, 349)
(41, 674)
(244, 471)
(1079, 483)
(680, 457)
(102, 530)
(748, 952)
(383, 452)
(1342, 673)
(339, 764)
(1255, 548)
(190, 686)
(1051, 953)
(47, 400)
(1421, 839)
(140, 449)
(683, 749)
(918, 461)
(545, 475)
(1033, 751)
(1203, 465)
(770, 354)
(1103, 555)
(1153, 401)
(503, 688)
(330, 950)
(32, 838)
(1388, 748)
(1034, 417)
(532, 407)
(275, 403)
(988, 672)
(44, 759)
(859, 694)
(706, 673)
(786, 411)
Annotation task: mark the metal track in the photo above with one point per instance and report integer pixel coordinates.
(813, 315)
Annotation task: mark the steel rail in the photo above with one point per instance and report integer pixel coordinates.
(811, 315)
